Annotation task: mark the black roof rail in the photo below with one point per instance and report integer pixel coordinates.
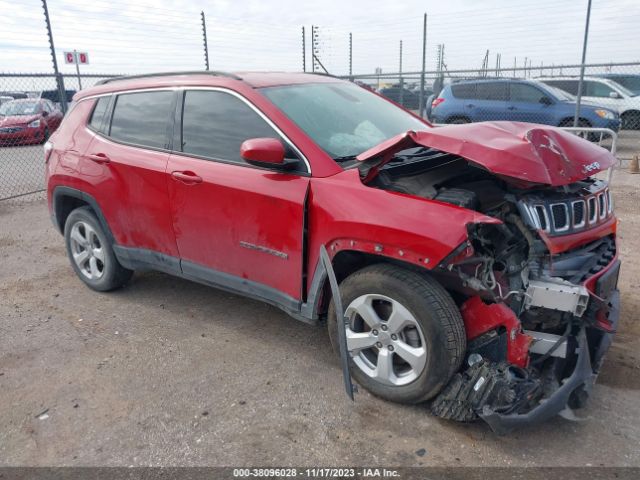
(168, 74)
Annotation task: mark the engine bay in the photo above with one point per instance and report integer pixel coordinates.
(524, 305)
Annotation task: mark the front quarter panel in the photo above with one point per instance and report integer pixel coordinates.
(345, 214)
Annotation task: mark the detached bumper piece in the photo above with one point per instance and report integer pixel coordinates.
(582, 378)
(509, 398)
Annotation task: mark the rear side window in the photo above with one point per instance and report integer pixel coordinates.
(521, 92)
(492, 91)
(464, 90)
(214, 125)
(142, 118)
(98, 113)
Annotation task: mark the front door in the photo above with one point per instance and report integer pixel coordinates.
(236, 225)
(529, 104)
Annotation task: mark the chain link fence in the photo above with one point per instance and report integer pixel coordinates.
(30, 111)
(494, 67)
(31, 108)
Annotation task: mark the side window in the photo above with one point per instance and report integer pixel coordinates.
(464, 90)
(569, 86)
(525, 93)
(493, 91)
(214, 125)
(142, 118)
(98, 113)
(597, 89)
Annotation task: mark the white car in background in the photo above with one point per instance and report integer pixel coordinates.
(604, 92)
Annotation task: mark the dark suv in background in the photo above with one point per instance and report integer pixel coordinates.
(515, 100)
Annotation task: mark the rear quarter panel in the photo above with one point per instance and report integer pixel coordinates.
(70, 141)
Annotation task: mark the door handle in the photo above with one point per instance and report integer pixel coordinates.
(187, 177)
(98, 158)
(470, 105)
(511, 108)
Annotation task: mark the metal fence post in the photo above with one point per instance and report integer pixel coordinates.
(304, 51)
(313, 49)
(59, 79)
(401, 78)
(350, 56)
(75, 59)
(584, 57)
(424, 60)
(204, 38)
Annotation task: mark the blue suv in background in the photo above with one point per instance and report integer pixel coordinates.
(515, 100)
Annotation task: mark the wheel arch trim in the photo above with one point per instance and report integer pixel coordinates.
(60, 192)
(315, 300)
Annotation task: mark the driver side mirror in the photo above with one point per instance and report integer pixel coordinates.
(265, 152)
(614, 95)
(546, 101)
(45, 113)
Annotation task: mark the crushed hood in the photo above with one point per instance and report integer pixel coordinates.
(527, 152)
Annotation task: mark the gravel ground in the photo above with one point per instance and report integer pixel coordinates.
(168, 372)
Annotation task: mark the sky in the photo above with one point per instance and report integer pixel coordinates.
(143, 36)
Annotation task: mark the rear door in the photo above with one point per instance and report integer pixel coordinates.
(529, 104)
(490, 101)
(126, 162)
(236, 224)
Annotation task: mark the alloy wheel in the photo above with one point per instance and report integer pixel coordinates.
(87, 250)
(385, 340)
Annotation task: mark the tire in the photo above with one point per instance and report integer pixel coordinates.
(91, 253)
(45, 136)
(458, 121)
(591, 136)
(437, 332)
(630, 121)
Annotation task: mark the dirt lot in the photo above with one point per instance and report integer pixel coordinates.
(168, 372)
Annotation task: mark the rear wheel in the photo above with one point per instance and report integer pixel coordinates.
(405, 334)
(91, 253)
(591, 136)
(458, 120)
(630, 120)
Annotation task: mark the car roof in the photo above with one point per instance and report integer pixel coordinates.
(26, 100)
(606, 75)
(586, 77)
(204, 78)
(491, 80)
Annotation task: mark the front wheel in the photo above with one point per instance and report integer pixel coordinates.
(405, 335)
(630, 121)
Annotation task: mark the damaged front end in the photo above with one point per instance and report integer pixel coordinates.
(538, 291)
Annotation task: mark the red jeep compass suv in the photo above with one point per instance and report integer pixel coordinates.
(477, 264)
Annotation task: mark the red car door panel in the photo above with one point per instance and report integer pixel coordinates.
(132, 192)
(131, 181)
(239, 220)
